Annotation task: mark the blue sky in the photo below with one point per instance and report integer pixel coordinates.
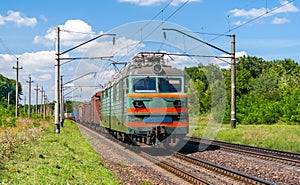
(263, 28)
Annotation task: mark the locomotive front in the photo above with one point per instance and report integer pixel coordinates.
(156, 99)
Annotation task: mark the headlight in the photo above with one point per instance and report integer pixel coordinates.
(157, 68)
(138, 104)
(177, 103)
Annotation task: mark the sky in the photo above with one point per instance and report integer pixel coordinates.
(263, 28)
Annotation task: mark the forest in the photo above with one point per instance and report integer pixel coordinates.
(8, 100)
(267, 92)
(8, 86)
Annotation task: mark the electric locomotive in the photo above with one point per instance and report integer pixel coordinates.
(146, 101)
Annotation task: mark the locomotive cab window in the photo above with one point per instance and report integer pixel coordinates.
(144, 84)
(169, 84)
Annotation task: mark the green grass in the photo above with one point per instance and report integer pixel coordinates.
(277, 136)
(64, 158)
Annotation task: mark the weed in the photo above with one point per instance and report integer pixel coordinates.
(64, 158)
(277, 136)
(145, 183)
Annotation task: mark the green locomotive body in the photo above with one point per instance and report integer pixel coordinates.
(146, 99)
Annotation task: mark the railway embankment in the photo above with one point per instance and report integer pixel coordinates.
(35, 155)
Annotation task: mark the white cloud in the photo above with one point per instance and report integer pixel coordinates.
(156, 2)
(241, 54)
(6, 65)
(178, 2)
(45, 77)
(224, 63)
(40, 65)
(43, 18)
(123, 47)
(180, 62)
(277, 20)
(71, 27)
(48, 39)
(18, 19)
(2, 20)
(35, 63)
(238, 23)
(252, 13)
(285, 7)
(72, 33)
(35, 60)
(6, 58)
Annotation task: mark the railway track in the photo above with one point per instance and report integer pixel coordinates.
(197, 171)
(175, 170)
(238, 176)
(181, 173)
(284, 157)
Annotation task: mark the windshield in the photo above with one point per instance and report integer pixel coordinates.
(165, 84)
(169, 84)
(144, 85)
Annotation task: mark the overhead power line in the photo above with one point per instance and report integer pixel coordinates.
(162, 10)
(254, 19)
(154, 29)
(7, 49)
(245, 23)
(153, 18)
(177, 10)
(79, 32)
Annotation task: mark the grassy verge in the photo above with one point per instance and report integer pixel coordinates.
(64, 158)
(277, 136)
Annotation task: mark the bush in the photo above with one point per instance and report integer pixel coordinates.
(7, 119)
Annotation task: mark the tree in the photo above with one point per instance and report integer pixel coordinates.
(8, 86)
(266, 91)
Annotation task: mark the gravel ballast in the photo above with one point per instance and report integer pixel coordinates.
(127, 165)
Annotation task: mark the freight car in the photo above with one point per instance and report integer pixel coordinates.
(146, 101)
(89, 112)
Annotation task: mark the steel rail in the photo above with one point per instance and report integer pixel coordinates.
(242, 177)
(284, 157)
(177, 171)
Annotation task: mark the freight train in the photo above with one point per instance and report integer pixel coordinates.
(146, 101)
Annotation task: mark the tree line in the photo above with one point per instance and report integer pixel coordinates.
(267, 92)
(8, 100)
(8, 91)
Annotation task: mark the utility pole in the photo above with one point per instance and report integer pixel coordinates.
(8, 99)
(36, 98)
(17, 87)
(29, 95)
(42, 96)
(45, 107)
(232, 57)
(24, 104)
(57, 82)
(61, 102)
(57, 96)
(233, 104)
